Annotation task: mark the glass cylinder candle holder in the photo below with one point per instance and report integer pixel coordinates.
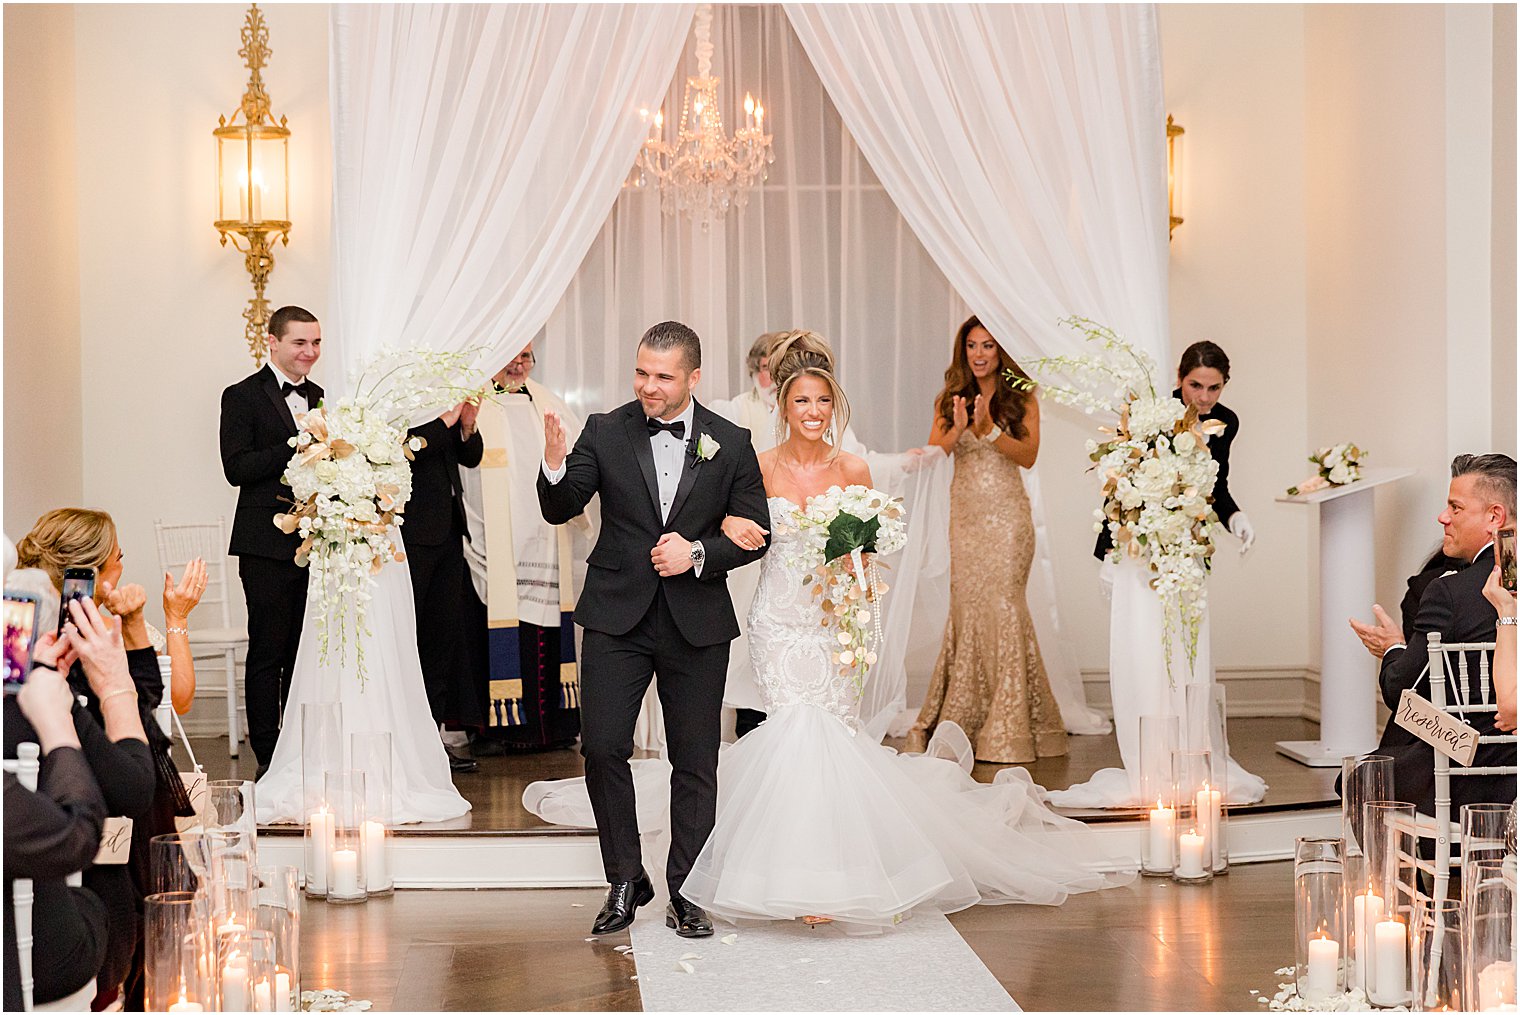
(1319, 918)
(177, 952)
(230, 808)
(345, 864)
(242, 958)
(178, 862)
(1439, 969)
(1159, 737)
(1362, 779)
(279, 913)
(1488, 927)
(370, 753)
(1392, 844)
(1485, 832)
(1193, 856)
(1207, 730)
(322, 747)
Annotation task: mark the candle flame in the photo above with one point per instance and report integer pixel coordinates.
(749, 103)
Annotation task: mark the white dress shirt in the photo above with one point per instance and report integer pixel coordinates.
(294, 399)
(669, 459)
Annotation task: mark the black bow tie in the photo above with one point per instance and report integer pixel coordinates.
(677, 428)
(303, 389)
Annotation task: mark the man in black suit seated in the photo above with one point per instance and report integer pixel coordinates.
(258, 419)
(434, 535)
(1480, 502)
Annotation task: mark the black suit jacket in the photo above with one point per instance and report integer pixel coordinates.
(613, 458)
(256, 429)
(435, 514)
(1219, 449)
(1454, 606)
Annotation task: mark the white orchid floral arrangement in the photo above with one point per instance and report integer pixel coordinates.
(1158, 475)
(350, 480)
(843, 532)
(1338, 466)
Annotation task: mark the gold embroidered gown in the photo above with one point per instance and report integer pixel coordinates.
(990, 678)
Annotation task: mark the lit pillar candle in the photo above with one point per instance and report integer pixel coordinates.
(1496, 987)
(186, 1005)
(1208, 801)
(1324, 967)
(1190, 854)
(345, 872)
(372, 841)
(283, 1001)
(1366, 911)
(321, 844)
(1389, 941)
(263, 996)
(1163, 829)
(235, 983)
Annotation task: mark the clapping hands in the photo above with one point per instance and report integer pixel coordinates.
(180, 599)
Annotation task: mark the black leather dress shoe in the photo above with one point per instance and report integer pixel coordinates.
(623, 900)
(687, 918)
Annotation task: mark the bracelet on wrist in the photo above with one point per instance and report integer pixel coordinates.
(119, 691)
(993, 434)
(177, 630)
(1507, 622)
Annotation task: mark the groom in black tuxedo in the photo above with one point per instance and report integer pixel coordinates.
(655, 600)
(258, 419)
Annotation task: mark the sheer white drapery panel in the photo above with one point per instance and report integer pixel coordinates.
(1024, 145)
(476, 152)
(820, 245)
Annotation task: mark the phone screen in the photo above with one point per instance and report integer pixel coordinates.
(20, 637)
(77, 584)
(1507, 558)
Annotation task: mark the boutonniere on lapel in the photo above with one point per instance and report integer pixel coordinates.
(704, 448)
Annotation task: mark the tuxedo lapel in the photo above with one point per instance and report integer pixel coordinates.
(638, 436)
(690, 463)
(271, 386)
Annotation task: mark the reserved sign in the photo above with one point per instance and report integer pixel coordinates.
(1446, 733)
(115, 841)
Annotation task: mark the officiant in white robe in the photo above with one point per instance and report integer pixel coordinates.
(524, 570)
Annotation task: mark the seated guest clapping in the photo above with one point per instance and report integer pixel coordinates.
(50, 834)
(1480, 502)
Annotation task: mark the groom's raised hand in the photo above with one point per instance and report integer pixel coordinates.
(671, 555)
(554, 441)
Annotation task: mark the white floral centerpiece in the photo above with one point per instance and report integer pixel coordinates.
(1338, 466)
(843, 531)
(1158, 475)
(350, 480)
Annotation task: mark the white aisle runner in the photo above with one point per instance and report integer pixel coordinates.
(923, 964)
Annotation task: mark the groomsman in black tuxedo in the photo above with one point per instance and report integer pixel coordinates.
(434, 534)
(1479, 502)
(258, 419)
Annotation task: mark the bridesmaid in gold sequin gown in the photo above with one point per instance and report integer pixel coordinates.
(990, 678)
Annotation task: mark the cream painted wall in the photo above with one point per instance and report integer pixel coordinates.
(43, 426)
(1503, 260)
(160, 321)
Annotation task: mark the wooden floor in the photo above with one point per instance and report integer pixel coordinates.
(1152, 946)
(495, 791)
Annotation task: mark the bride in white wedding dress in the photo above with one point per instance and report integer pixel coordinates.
(815, 820)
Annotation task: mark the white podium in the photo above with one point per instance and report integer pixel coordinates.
(1348, 674)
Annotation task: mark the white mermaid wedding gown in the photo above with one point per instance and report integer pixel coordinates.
(816, 819)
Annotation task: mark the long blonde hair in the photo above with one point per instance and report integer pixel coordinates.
(68, 537)
(807, 354)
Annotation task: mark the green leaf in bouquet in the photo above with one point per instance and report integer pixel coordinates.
(847, 533)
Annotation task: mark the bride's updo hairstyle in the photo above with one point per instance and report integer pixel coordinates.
(806, 354)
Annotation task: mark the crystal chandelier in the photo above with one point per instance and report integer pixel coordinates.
(704, 173)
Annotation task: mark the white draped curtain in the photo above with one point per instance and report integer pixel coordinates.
(476, 153)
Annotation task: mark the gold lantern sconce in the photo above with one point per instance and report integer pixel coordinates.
(1173, 174)
(253, 180)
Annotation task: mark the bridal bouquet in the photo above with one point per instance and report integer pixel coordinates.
(1158, 476)
(1338, 466)
(350, 480)
(839, 528)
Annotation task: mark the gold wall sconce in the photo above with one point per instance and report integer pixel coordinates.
(1173, 172)
(253, 180)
